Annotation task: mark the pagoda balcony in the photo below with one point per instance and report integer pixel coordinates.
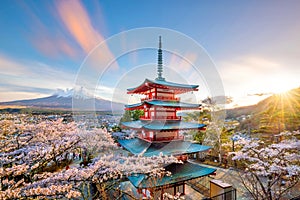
(160, 139)
(162, 98)
(161, 118)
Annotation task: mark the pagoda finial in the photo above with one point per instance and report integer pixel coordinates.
(159, 45)
(159, 63)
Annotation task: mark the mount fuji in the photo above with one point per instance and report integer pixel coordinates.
(66, 99)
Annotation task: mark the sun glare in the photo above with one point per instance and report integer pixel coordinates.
(282, 88)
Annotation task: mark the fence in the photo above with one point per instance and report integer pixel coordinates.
(229, 195)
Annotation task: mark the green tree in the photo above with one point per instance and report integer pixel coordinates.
(198, 135)
(136, 114)
(132, 115)
(200, 117)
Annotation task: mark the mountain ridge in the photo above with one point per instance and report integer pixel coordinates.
(66, 103)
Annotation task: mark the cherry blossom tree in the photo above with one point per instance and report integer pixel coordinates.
(29, 150)
(269, 171)
(96, 141)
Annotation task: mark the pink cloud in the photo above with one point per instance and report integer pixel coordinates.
(76, 20)
(48, 40)
(79, 25)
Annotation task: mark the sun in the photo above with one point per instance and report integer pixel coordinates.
(282, 87)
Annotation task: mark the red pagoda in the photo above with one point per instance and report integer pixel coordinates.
(160, 131)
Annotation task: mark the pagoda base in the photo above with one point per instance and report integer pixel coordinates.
(180, 174)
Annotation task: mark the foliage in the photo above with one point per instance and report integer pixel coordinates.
(126, 116)
(213, 138)
(213, 117)
(136, 114)
(200, 117)
(275, 114)
(132, 115)
(269, 170)
(197, 135)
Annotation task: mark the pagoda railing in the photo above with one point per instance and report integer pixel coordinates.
(161, 118)
(161, 139)
(162, 98)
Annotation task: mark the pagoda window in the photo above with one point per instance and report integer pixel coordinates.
(165, 90)
(167, 134)
(143, 133)
(165, 114)
(165, 95)
(166, 109)
(151, 134)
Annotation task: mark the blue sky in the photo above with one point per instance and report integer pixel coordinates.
(254, 44)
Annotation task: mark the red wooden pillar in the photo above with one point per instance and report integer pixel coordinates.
(149, 94)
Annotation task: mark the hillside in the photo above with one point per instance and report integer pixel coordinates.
(274, 114)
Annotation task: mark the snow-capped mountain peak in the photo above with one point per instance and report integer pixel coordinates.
(78, 93)
(64, 93)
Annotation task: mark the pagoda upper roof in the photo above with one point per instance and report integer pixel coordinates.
(173, 104)
(147, 84)
(138, 146)
(163, 125)
(179, 173)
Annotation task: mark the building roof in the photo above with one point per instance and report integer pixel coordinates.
(180, 173)
(180, 88)
(163, 125)
(138, 146)
(173, 104)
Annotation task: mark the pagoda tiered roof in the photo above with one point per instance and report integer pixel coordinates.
(163, 125)
(160, 131)
(180, 173)
(159, 103)
(148, 84)
(138, 146)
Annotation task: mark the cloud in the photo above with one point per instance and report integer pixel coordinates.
(78, 23)
(16, 95)
(256, 75)
(246, 68)
(50, 40)
(54, 46)
(32, 78)
(10, 67)
(260, 94)
(182, 64)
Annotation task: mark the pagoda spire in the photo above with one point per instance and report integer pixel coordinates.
(159, 63)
